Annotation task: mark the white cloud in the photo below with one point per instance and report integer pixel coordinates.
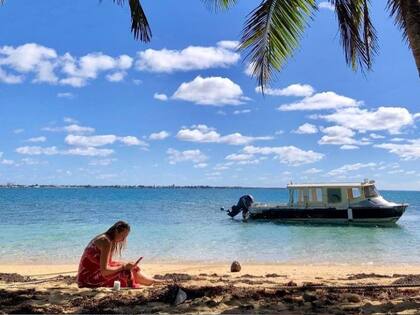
(10, 78)
(321, 101)
(101, 162)
(339, 135)
(85, 151)
(326, 5)
(161, 135)
(28, 58)
(88, 151)
(35, 150)
(201, 165)
(80, 70)
(221, 167)
(116, 76)
(131, 140)
(204, 134)
(347, 168)
(286, 154)
(243, 111)
(397, 139)
(160, 97)
(7, 162)
(195, 156)
(19, 130)
(376, 136)
(65, 95)
(349, 147)
(29, 161)
(49, 67)
(407, 151)
(190, 58)
(279, 132)
(37, 139)
(215, 91)
(239, 157)
(392, 119)
(228, 44)
(291, 90)
(249, 69)
(101, 140)
(76, 129)
(312, 171)
(306, 129)
(73, 129)
(4, 161)
(70, 120)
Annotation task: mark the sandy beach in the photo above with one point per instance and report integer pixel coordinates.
(212, 288)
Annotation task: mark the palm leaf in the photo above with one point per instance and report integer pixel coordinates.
(357, 33)
(407, 17)
(139, 24)
(217, 5)
(396, 10)
(272, 32)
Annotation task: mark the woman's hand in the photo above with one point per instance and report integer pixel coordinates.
(128, 266)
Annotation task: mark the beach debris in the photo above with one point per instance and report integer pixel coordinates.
(309, 296)
(352, 297)
(235, 267)
(177, 277)
(275, 275)
(13, 277)
(408, 279)
(291, 283)
(180, 298)
(359, 276)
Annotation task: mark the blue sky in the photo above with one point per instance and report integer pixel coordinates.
(81, 102)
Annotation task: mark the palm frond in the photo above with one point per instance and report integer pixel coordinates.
(272, 32)
(395, 9)
(357, 33)
(217, 5)
(139, 24)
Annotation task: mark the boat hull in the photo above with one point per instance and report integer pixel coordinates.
(370, 215)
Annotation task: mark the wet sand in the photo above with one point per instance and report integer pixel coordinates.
(212, 288)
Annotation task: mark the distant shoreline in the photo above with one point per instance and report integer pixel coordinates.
(52, 186)
(139, 186)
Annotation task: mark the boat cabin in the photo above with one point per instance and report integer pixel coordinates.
(331, 195)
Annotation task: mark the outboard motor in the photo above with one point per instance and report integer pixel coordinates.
(244, 203)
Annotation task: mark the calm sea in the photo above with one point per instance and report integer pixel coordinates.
(172, 225)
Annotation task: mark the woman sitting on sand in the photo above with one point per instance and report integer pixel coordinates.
(97, 269)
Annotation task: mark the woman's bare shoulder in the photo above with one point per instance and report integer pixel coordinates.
(102, 241)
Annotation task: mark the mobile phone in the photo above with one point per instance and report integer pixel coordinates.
(138, 260)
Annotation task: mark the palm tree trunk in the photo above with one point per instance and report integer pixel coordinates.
(410, 11)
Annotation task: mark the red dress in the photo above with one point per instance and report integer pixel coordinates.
(90, 276)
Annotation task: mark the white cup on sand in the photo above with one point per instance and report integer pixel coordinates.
(117, 285)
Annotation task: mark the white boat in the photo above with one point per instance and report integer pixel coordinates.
(329, 203)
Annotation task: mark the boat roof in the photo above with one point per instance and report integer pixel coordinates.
(319, 185)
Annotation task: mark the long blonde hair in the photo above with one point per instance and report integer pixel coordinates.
(118, 227)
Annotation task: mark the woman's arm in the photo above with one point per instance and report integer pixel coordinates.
(105, 247)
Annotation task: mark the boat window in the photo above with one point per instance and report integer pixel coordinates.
(356, 192)
(293, 196)
(370, 191)
(315, 194)
(334, 195)
(300, 195)
(319, 194)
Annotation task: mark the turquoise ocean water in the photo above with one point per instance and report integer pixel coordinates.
(170, 225)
